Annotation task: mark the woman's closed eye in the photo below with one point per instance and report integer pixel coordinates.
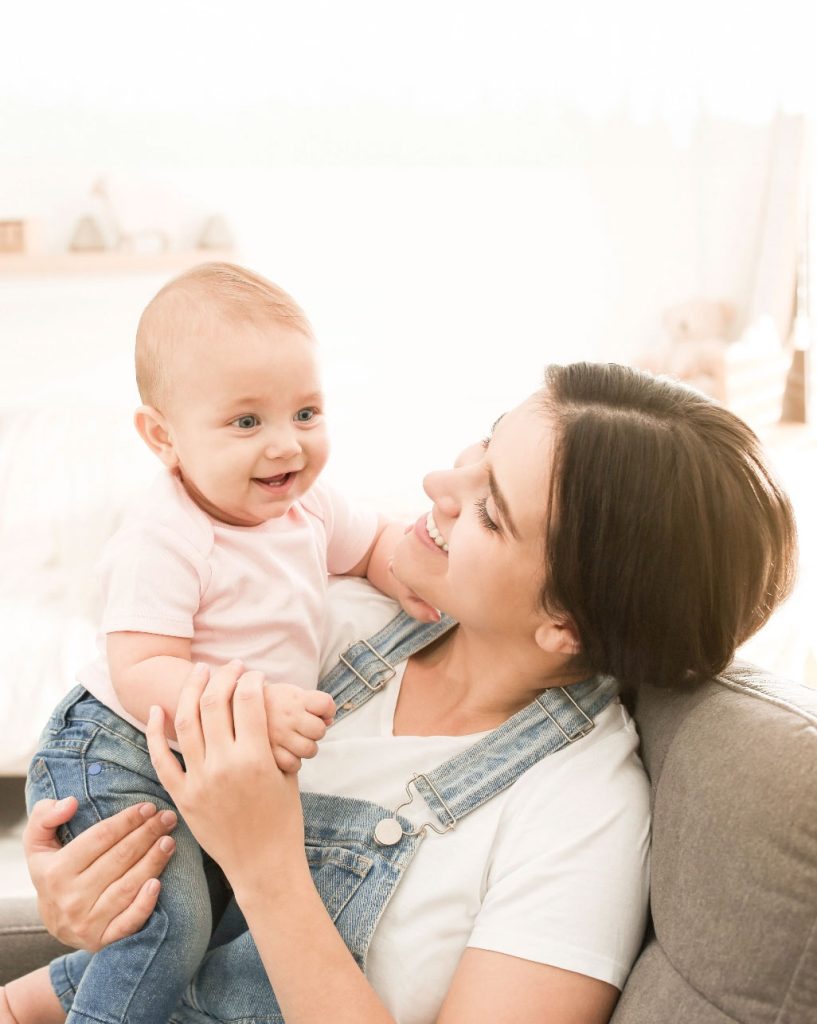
(481, 505)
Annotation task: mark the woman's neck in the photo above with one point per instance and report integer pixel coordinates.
(468, 682)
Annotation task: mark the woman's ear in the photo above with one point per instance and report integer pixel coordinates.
(154, 431)
(558, 636)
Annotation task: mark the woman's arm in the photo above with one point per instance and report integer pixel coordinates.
(104, 884)
(247, 815)
(494, 988)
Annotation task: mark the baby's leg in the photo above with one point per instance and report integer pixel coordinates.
(30, 1000)
(140, 979)
(104, 763)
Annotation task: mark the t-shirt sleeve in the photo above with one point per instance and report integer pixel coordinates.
(350, 527)
(568, 880)
(152, 581)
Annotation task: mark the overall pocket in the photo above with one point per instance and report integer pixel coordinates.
(337, 873)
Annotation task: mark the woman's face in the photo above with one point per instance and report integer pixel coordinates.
(483, 559)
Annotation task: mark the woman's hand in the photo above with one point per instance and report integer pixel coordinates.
(241, 807)
(104, 884)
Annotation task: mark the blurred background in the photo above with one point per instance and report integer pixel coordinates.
(457, 193)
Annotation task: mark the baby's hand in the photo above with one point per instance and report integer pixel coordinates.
(411, 604)
(296, 720)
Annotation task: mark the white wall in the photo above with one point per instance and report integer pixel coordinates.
(456, 196)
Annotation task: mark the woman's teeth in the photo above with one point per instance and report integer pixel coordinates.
(434, 533)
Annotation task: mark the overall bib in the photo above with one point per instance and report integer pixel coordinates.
(357, 850)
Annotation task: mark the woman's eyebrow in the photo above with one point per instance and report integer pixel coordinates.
(501, 504)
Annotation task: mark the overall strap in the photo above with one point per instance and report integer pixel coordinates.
(558, 717)
(366, 666)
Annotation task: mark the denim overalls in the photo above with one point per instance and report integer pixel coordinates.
(357, 851)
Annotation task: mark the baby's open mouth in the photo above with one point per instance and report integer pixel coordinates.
(274, 482)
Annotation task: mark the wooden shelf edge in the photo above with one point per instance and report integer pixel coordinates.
(59, 264)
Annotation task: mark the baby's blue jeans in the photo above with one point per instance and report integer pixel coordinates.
(88, 752)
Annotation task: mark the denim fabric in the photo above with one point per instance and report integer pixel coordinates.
(88, 752)
(353, 873)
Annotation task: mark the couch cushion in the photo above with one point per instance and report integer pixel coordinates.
(24, 943)
(733, 766)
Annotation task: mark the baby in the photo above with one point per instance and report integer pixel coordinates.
(226, 557)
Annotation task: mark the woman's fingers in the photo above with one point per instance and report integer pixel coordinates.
(73, 881)
(129, 900)
(133, 917)
(215, 706)
(168, 769)
(250, 715)
(88, 846)
(134, 859)
(46, 816)
(187, 722)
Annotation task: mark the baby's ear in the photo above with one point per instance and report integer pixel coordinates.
(153, 429)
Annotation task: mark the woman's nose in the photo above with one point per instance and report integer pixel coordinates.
(441, 487)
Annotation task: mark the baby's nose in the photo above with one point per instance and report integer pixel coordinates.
(283, 445)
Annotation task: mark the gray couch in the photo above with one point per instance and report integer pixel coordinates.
(734, 891)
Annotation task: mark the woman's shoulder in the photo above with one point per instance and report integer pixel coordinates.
(600, 774)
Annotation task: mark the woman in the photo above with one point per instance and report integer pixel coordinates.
(614, 525)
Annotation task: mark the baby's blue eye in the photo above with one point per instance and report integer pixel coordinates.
(246, 422)
(304, 415)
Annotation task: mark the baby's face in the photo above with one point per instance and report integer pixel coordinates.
(246, 420)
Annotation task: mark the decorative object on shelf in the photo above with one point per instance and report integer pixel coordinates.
(104, 228)
(216, 234)
(88, 237)
(13, 235)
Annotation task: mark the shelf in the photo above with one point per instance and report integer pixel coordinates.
(59, 264)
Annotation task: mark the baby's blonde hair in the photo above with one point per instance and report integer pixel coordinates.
(193, 300)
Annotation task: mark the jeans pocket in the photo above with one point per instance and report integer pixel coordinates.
(337, 873)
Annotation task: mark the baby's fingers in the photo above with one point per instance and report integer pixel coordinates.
(286, 760)
(310, 726)
(321, 704)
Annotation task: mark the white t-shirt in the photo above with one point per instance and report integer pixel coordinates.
(257, 593)
(554, 869)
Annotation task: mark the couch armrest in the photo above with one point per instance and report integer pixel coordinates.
(24, 942)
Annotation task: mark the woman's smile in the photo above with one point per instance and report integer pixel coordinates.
(423, 532)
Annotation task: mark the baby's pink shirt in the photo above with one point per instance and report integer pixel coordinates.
(257, 593)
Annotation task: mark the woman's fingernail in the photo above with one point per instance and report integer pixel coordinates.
(152, 886)
(200, 668)
(168, 818)
(147, 810)
(166, 844)
(62, 804)
(153, 715)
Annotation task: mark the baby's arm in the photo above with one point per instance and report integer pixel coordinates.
(149, 669)
(376, 567)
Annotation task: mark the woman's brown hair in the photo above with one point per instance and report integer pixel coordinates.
(668, 542)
